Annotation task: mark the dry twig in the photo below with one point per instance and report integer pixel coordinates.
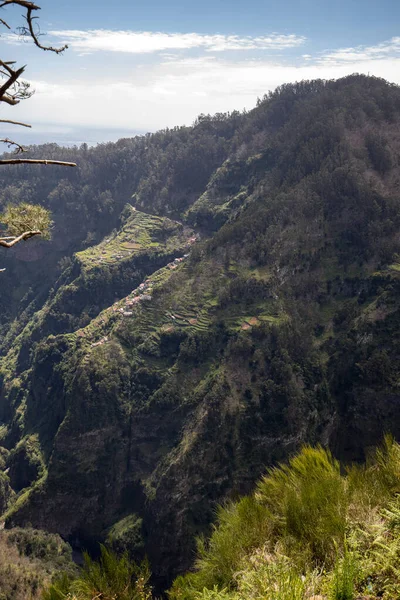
(18, 148)
(15, 123)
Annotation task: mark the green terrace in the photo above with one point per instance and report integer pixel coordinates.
(141, 233)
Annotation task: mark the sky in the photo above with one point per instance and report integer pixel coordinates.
(134, 66)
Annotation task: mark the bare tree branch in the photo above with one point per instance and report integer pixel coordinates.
(9, 100)
(32, 161)
(12, 76)
(30, 7)
(23, 237)
(15, 123)
(29, 19)
(23, 3)
(18, 148)
(10, 81)
(6, 66)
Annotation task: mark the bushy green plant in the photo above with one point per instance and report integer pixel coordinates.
(310, 528)
(308, 500)
(112, 577)
(344, 577)
(387, 467)
(375, 483)
(216, 594)
(275, 580)
(59, 590)
(240, 527)
(382, 558)
(302, 505)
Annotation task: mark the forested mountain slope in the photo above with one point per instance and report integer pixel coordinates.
(249, 304)
(166, 171)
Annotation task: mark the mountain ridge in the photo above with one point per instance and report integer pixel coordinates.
(278, 328)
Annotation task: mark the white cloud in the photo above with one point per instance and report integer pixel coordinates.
(144, 42)
(175, 92)
(173, 87)
(389, 48)
(13, 39)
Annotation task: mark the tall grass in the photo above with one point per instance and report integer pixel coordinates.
(375, 483)
(344, 576)
(240, 527)
(276, 580)
(309, 521)
(113, 577)
(308, 500)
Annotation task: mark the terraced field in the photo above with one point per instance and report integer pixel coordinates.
(141, 233)
(161, 305)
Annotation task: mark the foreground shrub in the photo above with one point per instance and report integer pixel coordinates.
(312, 528)
(240, 527)
(308, 502)
(112, 577)
(276, 579)
(344, 577)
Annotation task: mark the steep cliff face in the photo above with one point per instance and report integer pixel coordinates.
(170, 366)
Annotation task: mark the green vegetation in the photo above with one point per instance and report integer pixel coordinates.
(18, 219)
(139, 234)
(110, 578)
(139, 391)
(311, 529)
(126, 535)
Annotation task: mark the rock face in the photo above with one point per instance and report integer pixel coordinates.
(169, 367)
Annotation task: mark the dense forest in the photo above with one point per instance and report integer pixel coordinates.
(213, 298)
